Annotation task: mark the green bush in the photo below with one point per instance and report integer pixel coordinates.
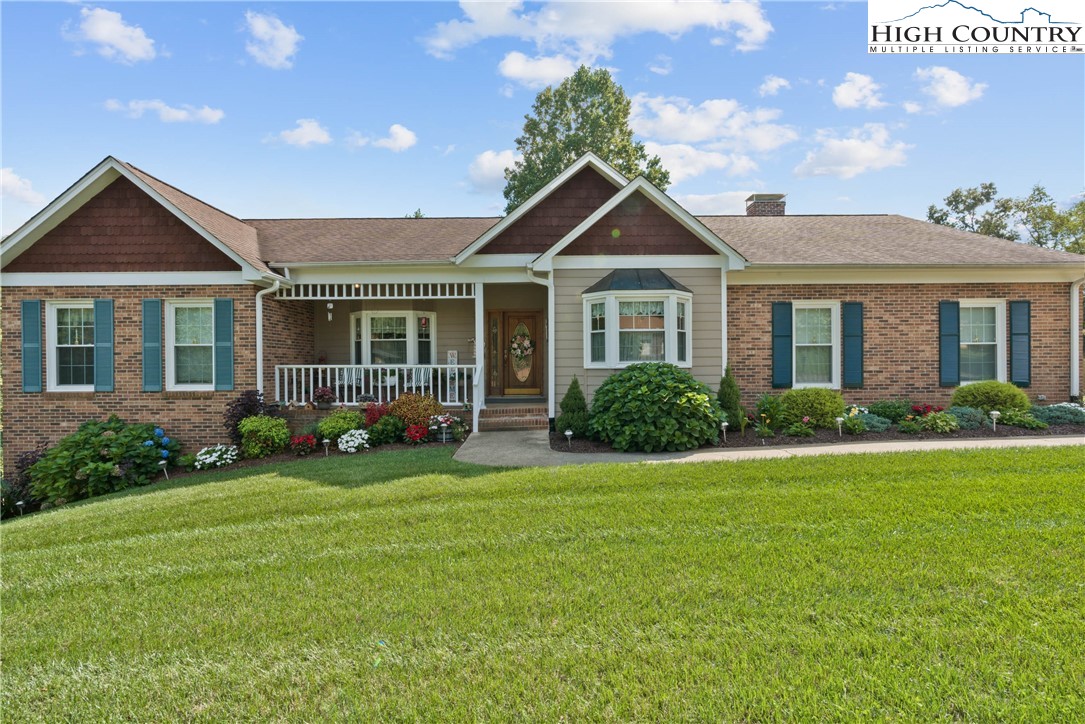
(910, 425)
(798, 429)
(892, 410)
(99, 458)
(822, 406)
(854, 425)
(1021, 419)
(730, 398)
(987, 396)
(655, 406)
(574, 411)
(387, 430)
(334, 425)
(874, 423)
(969, 418)
(1065, 413)
(940, 422)
(262, 435)
(770, 412)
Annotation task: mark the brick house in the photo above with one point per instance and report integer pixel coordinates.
(126, 295)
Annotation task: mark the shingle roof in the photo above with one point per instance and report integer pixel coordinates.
(627, 280)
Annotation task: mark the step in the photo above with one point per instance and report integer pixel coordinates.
(514, 422)
(495, 411)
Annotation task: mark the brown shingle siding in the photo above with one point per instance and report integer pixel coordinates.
(637, 226)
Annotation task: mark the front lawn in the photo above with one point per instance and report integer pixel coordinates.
(916, 586)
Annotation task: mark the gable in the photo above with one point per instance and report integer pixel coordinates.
(637, 226)
(555, 216)
(121, 229)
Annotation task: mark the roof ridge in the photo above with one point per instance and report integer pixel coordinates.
(366, 218)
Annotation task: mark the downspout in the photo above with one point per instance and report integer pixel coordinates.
(1075, 338)
(550, 354)
(260, 334)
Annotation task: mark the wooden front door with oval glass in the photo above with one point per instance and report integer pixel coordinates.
(514, 353)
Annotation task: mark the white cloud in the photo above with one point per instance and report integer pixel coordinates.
(308, 132)
(912, 107)
(588, 30)
(167, 113)
(115, 39)
(858, 91)
(773, 84)
(684, 161)
(949, 88)
(868, 148)
(723, 121)
(399, 138)
(536, 72)
(487, 171)
(273, 43)
(662, 65)
(726, 202)
(15, 187)
(357, 140)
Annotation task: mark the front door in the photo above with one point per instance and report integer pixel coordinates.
(514, 357)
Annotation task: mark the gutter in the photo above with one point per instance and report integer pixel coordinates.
(550, 353)
(1075, 339)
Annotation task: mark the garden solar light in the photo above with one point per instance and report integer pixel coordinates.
(162, 464)
(20, 505)
(840, 426)
(723, 429)
(326, 442)
(995, 414)
(569, 437)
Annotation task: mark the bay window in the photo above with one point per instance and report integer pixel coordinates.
(627, 328)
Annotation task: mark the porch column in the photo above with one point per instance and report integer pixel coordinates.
(479, 399)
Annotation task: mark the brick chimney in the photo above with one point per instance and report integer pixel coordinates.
(765, 205)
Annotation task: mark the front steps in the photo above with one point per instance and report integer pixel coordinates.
(513, 416)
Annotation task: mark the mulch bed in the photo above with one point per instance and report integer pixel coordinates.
(830, 437)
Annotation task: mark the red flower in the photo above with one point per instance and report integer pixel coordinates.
(373, 412)
(416, 434)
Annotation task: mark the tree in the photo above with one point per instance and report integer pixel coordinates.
(588, 111)
(964, 211)
(416, 214)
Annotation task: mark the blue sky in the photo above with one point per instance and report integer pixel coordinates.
(375, 109)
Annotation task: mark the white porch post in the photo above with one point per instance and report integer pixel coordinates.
(551, 355)
(723, 316)
(479, 400)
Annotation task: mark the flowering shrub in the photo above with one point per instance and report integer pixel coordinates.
(924, 410)
(763, 427)
(416, 434)
(302, 445)
(416, 409)
(802, 428)
(374, 411)
(262, 436)
(354, 440)
(216, 456)
(323, 395)
(452, 423)
(769, 407)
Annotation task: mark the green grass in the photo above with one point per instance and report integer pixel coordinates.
(919, 586)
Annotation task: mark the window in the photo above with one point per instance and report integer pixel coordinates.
(393, 338)
(983, 340)
(816, 334)
(70, 346)
(190, 338)
(623, 329)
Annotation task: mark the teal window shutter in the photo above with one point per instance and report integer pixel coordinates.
(949, 344)
(103, 345)
(781, 344)
(224, 344)
(152, 345)
(31, 323)
(852, 320)
(1021, 343)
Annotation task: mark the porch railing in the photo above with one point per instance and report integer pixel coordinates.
(452, 385)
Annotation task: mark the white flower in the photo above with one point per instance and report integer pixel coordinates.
(354, 440)
(216, 456)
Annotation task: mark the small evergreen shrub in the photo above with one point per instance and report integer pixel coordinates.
(874, 423)
(969, 418)
(940, 422)
(822, 406)
(730, 398)
(262, 436)
(1064, 413)
(1021, 419)
(991, 395)
(389, 429)
(415, 409)
(334, 425)
(374, 411)
(892, 410)
(574, 411)
(770, 411)
(247, 404)
(654, 406)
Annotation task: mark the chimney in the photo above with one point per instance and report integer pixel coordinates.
(765, 205)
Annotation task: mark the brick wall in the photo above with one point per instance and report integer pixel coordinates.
(288, 337)
(900, 335)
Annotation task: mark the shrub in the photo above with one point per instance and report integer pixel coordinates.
(216, 456)
(334, 425)
(968, 418)
(389, 429)
(822, 406)
(987, 396)
(802, 428)
(940, 422)
(854, 425)
(909, 425)
(17, 489)
(892, 410)
(262, 435)
(654, 406)
(770, 411)
(374, 411)
(352, 441)
(99, 458)
(1065, 413)
(730, 398)
(1021, 419)
(302, 445)
(247, 404)
(874, 423)
(415, 409)
(416, 434)
(574, 411)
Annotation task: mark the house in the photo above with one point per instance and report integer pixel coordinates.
(127, 295)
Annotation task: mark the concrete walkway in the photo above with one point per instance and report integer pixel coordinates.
(531, 448)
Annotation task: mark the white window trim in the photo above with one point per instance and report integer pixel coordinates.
(172, 305)
(412, 335)
(51, 361)
(670, 301)
(1000, 333)
(834, 313)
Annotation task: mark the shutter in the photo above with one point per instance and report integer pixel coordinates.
(224, 344)
(31, 323)
(781, 344)
(852, 313)
(103, 345)
(1021, 343)
(152, 345)
(949, 344)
